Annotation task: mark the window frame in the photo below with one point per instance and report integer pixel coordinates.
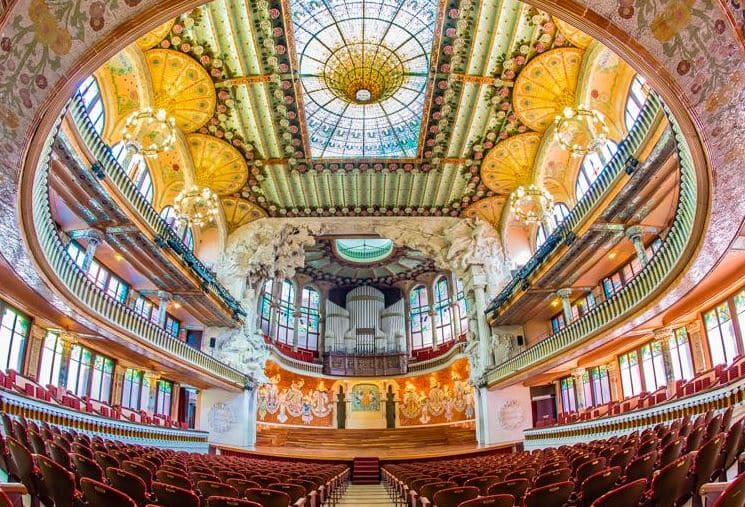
(422, 337)
(308, 335)
(18, 336)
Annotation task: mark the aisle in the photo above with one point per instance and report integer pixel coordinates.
(359, 495)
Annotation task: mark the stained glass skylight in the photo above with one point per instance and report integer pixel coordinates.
(364, 250)
(363, 68)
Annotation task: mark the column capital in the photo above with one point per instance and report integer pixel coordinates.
(164, 296)
(693, 327)
(564, 293)
(94, 236)
(611, 366)
(663, 333)
(578, 372)
(634, 231)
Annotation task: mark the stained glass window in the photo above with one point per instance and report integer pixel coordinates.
(363, 68)
(185, 234)
(600, 385)
(286, 320)
(78, 371)
(720, 333)
(132, 389)
(635, 102)
(91, 94)
(421, 327)
(364, 250)
(592, 165)
(568, 396)
(266, 307)
(444, 325)
(653, 365)
(558, 213)
(462, 306)
(163, 397)
(680, 350)
(51, 360)
(631, 379)
(308, 325)
(14, 329)
(101, 381)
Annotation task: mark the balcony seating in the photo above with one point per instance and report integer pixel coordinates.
(453, 497)
(98, 494)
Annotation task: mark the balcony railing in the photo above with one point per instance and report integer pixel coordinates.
(107, 166)
(644, 285)
(98, 302)
(17, 405)
(622, 161)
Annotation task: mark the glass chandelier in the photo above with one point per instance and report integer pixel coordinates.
(531, 204)
(581, 131)
(197, 206)
(149, 131)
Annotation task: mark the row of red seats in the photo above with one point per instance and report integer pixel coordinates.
(715, 377)
(56, 395)
(300, 354)
(62, 468)
(426, 354)
(664, 466)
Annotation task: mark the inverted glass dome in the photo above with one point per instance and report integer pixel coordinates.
(363, 250)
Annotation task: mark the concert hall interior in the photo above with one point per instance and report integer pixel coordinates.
(362, 253)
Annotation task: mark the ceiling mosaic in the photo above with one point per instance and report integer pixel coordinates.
(369, 107)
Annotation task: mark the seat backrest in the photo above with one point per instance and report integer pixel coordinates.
(264, 480)
(86, 467)
(490, 501)
(525, 473)
(598, 484)
(588, 468)
(128, 483)
(212, 488)
(641, 467)
(178, 480)
(452, 497)
(732, 443)
(168, 495)
(105, 460)
(628, 494)
(429, 489)
(268, 497)
(733, 495)
(243, 484)
(516, 488)
(223, 501)
(694, 439)
(713, 427)
(483, 482)
(560, 475)
(622, 458)
(667, 486)
(295, 491)
(82, 449)
(139, 470)
(200, 476)
(59, 482)
(553, 495)
(671, 452)
(98, 494)
(707, 460)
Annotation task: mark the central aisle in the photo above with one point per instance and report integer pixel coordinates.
(366, 495)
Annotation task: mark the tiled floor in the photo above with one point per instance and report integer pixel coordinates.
(373, 495)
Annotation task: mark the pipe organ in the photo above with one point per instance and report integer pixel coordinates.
(365, 326)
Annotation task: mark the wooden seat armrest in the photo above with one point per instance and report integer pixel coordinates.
(300, 503)
(425, 502)
(13, 488)
(713, 487)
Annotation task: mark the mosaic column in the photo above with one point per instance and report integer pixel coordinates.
(432, 313)
(634, 233)
(614, 380)
(94, 237)
(696, 340)
(35, 344)
(663, 337)
(163, 299)
(68, 341)
(579, 388)
(118, 384)
(566, 304)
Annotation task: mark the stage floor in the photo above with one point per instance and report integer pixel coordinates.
(382, 453)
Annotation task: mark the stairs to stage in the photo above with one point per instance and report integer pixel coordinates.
(366, 471)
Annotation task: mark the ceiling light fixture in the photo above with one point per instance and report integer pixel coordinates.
(531, 204)
(581, 131)
(149, 132)
(197, 206)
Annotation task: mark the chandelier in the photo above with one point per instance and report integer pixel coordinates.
(197, 206)
(581, 131)
(149, 131)
(531, 204)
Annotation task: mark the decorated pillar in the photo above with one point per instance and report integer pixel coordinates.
(614, 380)
(454, 308)
(566, 304)
(35, 344)
(696, 340)
(151, 389)
(634, 234)
(483, 330)
(118, 383)
(663, 337)
(94, 238)
(579, 388)
(429, 283)
(68, 340)
(405, 288)
(175, 393)
(323, 295)
(163, 299)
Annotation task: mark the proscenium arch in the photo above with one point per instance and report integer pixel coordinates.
(148, 14)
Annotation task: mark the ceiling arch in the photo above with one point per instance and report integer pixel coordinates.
(510, 163)
(217, 164)
(239, 212)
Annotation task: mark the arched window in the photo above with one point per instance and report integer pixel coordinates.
(308, 327)
(462, 306)
(444, 325)
(91, 94)
(265, 307)
(136, 168)
(421, 327)
(638, 94)
(558, 213)
(286, 321)
(168, 214)
(592, 166)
